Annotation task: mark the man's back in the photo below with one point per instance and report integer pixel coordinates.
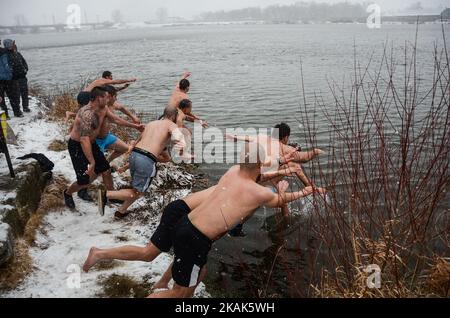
(177, 96)
(97, 82)
(234, 199)
(156, 136)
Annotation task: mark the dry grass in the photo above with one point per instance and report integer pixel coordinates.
(386, 174)
(57, 146)
(18, 268)
(62, 104)
(36, 91)
(122, 238)
(51, 199)
(21, 265)
(122, 286)
(438, 277)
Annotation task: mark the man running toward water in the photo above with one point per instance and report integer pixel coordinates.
(234, 199)
(161, 240)
(150, 149)
(87, 159)
(84, 97)
(181, 94)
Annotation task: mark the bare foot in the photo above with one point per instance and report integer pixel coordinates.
(91, 260)
(161, 285)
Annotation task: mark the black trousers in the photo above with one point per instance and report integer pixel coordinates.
(23, 87)
(12, 90)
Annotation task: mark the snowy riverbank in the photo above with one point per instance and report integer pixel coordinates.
(64, 237)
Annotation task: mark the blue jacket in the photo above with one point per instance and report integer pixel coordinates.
(6, 72)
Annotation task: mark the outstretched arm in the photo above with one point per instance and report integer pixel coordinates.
(285, 172)
(121, 122)
(184, 76)
(193, 118)
(120, 107)
(105, 81)
(237, 138)
(278, 200)
(118, 82)
(302, 156)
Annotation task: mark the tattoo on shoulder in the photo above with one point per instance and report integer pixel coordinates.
(89, 122)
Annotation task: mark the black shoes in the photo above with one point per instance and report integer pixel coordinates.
(101, 201)
(18, 114)
(84, 195)
(26, 110)
(68, 200)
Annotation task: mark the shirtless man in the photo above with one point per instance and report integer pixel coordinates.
(83, 98)
(87, 159)
(106, 140)
(161, 240)
(150, 149)
(279, 140)
(181, 93)
(234, 199)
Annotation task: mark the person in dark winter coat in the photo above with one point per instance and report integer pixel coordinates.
(23, 81)
(10, 72)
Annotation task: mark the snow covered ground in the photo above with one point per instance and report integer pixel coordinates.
(65, 238)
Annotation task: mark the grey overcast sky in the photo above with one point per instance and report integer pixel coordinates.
(42, 11)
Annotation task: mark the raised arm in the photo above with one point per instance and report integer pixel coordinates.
(184, 76)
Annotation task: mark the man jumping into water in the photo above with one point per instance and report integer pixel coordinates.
(161, 240)
(234, 199)
(181, 93)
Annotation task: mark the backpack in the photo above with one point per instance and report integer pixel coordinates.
(5, 69)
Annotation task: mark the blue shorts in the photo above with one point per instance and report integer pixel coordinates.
(104, 143)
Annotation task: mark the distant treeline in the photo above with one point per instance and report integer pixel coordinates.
(299, 12)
